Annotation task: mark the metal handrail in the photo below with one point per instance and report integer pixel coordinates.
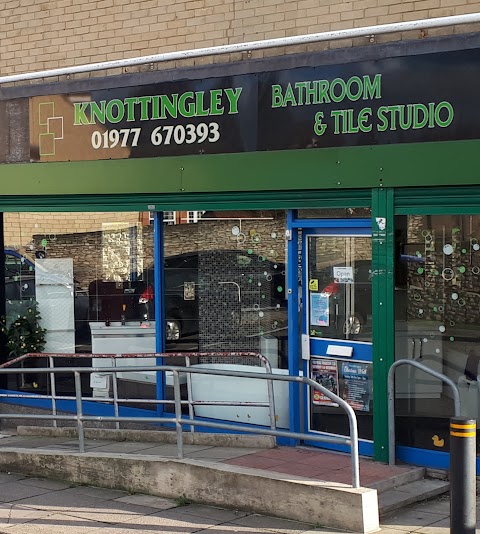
(187, 355)
(179, 420)
(391, 399)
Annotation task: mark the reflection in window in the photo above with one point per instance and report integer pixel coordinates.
(92, 277)
(194, 216)
(225, 292)
(84, 272)
(235, 261)
(340, 269)
(437, 301)
(335, 213)
(170, 217)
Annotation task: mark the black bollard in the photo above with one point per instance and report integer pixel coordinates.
(463, 444)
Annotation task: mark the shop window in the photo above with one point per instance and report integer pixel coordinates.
(84, 273)
(233, 265)
(225, 293)
(335, 213)
(92, 278)
(437, 303)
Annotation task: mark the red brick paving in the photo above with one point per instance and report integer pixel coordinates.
(317, 464)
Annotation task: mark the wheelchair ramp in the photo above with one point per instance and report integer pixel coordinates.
(291, 483)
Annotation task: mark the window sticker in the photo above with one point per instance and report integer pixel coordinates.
(319, 309)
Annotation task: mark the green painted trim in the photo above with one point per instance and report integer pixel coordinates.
(402, 165)
(440, 201)
(197, 201)
(383, 315)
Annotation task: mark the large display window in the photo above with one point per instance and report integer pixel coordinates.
(437, 318)
(225, 283)
(83, 283)
(73, 282)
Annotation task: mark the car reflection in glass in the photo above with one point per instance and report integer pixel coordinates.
(230, 284)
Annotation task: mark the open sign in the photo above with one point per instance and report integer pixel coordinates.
(343, 275)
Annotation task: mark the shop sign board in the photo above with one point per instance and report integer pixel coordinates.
(410, 99)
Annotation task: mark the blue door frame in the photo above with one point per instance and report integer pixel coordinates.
(299, 408)
(159, 300)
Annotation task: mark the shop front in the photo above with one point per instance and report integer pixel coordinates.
(322, 210)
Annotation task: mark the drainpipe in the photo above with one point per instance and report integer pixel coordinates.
(366, 31)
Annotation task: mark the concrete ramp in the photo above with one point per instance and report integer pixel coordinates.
(322, 503)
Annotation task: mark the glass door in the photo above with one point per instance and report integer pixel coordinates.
(337, 327)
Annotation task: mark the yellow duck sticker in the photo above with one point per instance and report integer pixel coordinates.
(437, 442)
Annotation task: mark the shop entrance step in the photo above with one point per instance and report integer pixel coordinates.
(393, 499)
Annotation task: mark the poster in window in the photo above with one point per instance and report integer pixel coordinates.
(325, 372)
(319, 309)
(356, 382)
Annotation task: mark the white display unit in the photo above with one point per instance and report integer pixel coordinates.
(231, 388)
(131, 338)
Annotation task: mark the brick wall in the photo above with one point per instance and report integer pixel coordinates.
(41, 34)
(21, 227)
(95, 257)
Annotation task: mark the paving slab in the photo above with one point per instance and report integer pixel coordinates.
(55, 524)
(6, 441)
(441, 527)
(52, 485)
(218, 453)
(213, 512)
(174, 521)
(413, 492)
(255, 462)
(7, 478)
(74, 445)
(387, 530)
(283, 526)
(96, 493)
(59, 501)
(31, 443)
(16, 491)
(15, 514)
(412, 519)
(159, 503)
(112, 512)
(441, 505)
(171, 451)
(126, 447)
(230, 528)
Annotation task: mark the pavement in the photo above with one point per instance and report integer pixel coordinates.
(42, 506)
(35, 506)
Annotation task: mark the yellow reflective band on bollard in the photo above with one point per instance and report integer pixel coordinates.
(463, 434)
(470, 426)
